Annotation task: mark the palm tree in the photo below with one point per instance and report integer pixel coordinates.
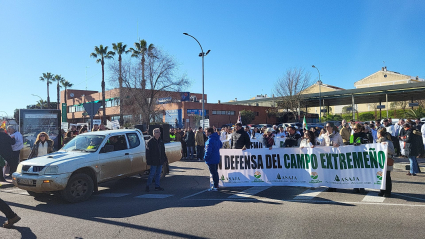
(59, 79)
(48, 77)
(119, 48)
(102, 53)
(66, 84)
(140, 51)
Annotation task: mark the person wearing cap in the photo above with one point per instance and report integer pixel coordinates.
(240, 138)
(268, 139)
(410, 149)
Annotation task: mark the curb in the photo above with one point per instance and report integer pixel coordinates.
(6, 185)
(406, 166)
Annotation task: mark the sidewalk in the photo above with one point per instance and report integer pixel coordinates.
(401, 163)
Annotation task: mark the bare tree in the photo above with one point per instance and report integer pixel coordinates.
(140, 94)
(290, 88)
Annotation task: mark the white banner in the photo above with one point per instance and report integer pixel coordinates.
(257, 143)
(361, 166)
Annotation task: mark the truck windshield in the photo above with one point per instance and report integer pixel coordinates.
(84, 143)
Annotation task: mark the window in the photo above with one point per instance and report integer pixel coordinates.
(214, 112)
(118, 141)
(232, 113)
(257, 113)
(223, 112)
(133, 140)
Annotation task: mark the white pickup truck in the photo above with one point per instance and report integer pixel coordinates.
(87, 160)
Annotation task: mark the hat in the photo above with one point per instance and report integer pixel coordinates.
(269, 130)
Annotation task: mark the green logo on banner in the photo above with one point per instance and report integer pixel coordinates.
(222, 178)
(337, 178)
(314, 175)
(257, 174)
(379, 175)
(278, 176)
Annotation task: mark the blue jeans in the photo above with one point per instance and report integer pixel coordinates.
(154, 171)
(213, 170)
(200, 152)
(190, 150)
(413, 165)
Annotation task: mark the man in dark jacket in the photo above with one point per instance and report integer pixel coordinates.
(212, 155)
(240, 138)
(292, 140)
(411, 148)
(6, 151)
(155, 158)
(190, 143)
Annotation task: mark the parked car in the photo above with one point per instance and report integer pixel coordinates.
(87, 160)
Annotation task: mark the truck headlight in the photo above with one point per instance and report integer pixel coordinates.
(52, 170)
(19, 169)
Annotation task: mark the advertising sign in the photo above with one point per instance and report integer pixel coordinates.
(185, 96)
(361, 166)
(32, 122)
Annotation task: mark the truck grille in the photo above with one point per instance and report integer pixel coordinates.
(35, 169)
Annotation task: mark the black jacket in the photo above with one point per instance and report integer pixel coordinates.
(155, 152)
(412, 146)
(6, 143)
(292, 140)
(240, 138)
(190, 139)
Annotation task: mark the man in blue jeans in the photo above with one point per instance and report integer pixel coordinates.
(212, 155)
(155, 157)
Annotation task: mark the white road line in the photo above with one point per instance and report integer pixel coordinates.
(195, 194)
(112, 195)
(309, 194)
(154, 196)
(249, 192)
(373, 197)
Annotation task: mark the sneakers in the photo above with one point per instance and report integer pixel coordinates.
(147, 189)
(159, 189)
(381, 194)
(9, 223)
(213, 189)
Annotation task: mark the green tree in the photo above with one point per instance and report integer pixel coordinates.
(366, 116)
(415, 113)
(59, 79)
(101, 53)
(66, 84)
(247, 116)
(141, 50)
(48, 78)
(119, 49)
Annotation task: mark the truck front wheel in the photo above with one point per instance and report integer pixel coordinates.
(79, 188)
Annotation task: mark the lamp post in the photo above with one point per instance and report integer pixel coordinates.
(202, 54)
(320, 95)
(41, 101)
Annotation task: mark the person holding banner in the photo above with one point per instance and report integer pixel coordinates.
(268, 139)
(385, 138)
(212, 156)
(309, 140)
(240, 138)
(331, 138)
(293, 139)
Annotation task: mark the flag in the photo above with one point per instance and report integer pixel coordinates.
(3, 125)
(305, 123)
(239, 118)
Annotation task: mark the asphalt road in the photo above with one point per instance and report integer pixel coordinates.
(185, 209)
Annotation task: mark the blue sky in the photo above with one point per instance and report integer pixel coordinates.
(252, 43)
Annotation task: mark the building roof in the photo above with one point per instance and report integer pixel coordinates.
(390, 72)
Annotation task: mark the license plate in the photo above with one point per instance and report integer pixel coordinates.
(25, 181)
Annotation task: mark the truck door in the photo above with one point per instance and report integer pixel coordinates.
(137, 152)
(115, 161)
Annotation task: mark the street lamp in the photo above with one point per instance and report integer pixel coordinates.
(41, 101)
(202, 54)
(320, 95)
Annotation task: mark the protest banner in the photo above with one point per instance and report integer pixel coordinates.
(257, 143)
(361, 166)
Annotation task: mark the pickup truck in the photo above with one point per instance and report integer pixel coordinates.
(87, 160)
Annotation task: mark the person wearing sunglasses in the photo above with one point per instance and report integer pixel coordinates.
(42, 146)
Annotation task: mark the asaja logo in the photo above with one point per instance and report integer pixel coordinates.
(222, 178)
(337, 178)
(278, 176)
(257, 174)
(379, 175)
(314, 175)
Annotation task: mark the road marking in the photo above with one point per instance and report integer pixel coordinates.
(422, 199)
(112, 195)
(195, 194)
(309, 194)
(154, 196)
(16, 191)
(249, 192)
(373, 197)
